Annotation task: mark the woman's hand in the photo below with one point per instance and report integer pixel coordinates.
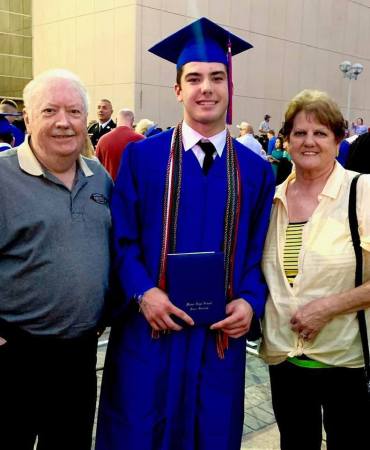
(310, 319)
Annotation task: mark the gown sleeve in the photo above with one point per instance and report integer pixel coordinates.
(128, 259)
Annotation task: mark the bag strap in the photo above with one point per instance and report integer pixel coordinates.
(353, 223)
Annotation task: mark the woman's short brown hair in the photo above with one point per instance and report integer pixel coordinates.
(321, 106)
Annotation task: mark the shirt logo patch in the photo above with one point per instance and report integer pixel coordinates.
(99, 198)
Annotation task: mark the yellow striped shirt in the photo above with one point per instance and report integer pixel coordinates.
(293, 244)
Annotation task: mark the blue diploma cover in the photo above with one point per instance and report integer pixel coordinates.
(196, 284)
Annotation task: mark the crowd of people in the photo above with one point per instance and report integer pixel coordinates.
(99, 223)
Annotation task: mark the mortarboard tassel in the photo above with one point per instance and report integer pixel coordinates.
(229, 114)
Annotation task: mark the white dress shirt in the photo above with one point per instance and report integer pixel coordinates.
(103, 125)
(190, 139)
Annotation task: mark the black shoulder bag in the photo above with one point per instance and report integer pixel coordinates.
(353, 223)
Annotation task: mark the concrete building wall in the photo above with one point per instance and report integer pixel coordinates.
(297, 44)
(15, 47)
(95, 39)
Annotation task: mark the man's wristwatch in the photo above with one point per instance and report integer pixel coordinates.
(138, 299)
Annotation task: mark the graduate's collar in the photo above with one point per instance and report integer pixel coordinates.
(190, 138)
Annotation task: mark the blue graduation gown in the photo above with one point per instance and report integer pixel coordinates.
(174, 393)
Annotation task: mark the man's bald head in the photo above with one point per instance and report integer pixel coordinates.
(125, 118)
(246, 129)
(8, 109)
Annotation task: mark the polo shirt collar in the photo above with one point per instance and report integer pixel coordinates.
(29, 163)
(331, 188)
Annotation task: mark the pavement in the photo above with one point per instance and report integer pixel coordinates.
(260, 430)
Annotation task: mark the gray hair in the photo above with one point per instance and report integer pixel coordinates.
(126, 114)
(33, 87)
(105, 100)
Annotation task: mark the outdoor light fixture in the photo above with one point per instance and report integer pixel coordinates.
(350, 71)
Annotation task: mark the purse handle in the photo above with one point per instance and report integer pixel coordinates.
(353, 224)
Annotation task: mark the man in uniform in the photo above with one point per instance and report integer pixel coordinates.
(191, 189)
(105, 122)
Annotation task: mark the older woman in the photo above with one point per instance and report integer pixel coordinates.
(311, 334)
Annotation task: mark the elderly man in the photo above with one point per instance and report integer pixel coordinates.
(248, 140)
(54, 271)
(111, 146)
(105, 123)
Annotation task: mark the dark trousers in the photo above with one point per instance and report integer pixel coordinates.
(48, 391)
(304, 399)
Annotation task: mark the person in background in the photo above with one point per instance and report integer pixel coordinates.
(88, 150)
(8, 109)
(248, 140)
(54, 271)
(310, 330)
(265, 124)
(277, 154)
(263, 128)
(271, 141)
(6, 135)
(111, 146)
(143, 126)
(153, 130)
(105, 122)
(358, 127)
(343, 152)
(285, 165)
(358, 158)
(185, 390)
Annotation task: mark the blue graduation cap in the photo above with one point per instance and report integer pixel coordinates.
(202, 41)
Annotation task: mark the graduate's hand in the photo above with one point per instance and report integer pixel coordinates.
(157, 309)
(239, 319)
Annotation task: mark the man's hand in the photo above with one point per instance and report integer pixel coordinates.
(310, 319)
(157, 308)
(239, 319)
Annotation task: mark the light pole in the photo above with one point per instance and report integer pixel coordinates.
(350, 71)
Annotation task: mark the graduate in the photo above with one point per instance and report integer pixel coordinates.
(169, 383)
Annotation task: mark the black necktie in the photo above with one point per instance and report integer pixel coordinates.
(208, 149)
(101, 128)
